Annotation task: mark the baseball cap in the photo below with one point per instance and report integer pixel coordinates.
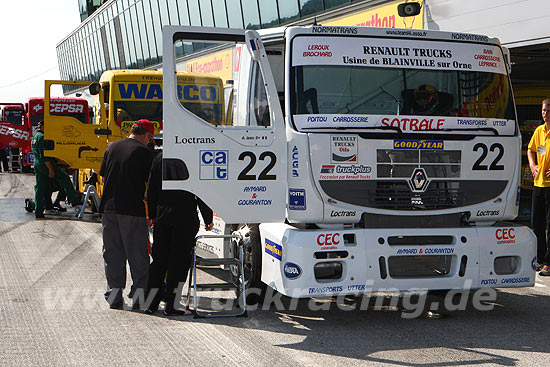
(147, 125)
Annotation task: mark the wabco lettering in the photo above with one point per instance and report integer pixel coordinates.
(191, 93)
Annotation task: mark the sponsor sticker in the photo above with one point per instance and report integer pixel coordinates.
(488, 213)
(505, 236)
(329, 241)
(343, 148)
(342, 213)
(426, 251)
(296, 199)
(418, 144)
(345, 172)
(273, 249)
(295, 162)
(214, 164)
(328, 289)
(292, 271)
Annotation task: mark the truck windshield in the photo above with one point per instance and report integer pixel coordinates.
(80, 116)
(459, 87)
(13, 116)
(359, 90)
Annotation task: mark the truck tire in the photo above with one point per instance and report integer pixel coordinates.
(255, 289)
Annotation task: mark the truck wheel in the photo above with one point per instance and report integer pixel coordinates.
(252, 250)
(75, 181)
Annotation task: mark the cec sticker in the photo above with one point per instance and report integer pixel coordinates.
(541, 150)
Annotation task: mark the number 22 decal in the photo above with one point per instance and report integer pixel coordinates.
(478, 166)
(264, 175)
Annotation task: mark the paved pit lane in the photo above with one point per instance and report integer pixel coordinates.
(52, 313)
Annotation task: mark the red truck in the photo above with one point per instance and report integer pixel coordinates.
(13, 133)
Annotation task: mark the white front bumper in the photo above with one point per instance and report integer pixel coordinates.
(467, 259)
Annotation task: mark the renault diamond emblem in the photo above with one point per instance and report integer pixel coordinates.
(419, 180)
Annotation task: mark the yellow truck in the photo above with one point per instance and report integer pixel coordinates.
(122, 97)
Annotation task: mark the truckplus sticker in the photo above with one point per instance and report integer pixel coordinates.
(345, 172)
(273, 249)
(343, 148)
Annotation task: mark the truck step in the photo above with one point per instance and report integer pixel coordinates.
(215, 262)
(216, 286)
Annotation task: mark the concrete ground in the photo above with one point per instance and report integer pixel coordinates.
(52, 313)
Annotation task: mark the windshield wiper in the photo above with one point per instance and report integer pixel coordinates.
(491, 129)
(393, 128)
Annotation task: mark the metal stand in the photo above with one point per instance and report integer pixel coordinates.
(14, 160)
(90, 193)
(239, 286)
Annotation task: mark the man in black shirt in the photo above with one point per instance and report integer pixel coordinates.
(176, 223)
(125, 169)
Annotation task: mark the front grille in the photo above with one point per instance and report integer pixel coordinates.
(397, 195)
(396, 163)
(419, 266)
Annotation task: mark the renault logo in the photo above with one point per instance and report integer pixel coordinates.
(419, 180)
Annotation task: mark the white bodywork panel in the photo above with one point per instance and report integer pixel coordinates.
(238, 170)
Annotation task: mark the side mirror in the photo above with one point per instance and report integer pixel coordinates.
(408, 9)
(94, 88)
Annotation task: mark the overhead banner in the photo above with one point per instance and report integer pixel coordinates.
(217, 64)
(380, 16)
(397, 53)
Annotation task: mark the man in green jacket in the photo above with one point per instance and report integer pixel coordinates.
(44, 169)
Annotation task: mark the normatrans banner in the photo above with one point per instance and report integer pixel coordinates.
(380, 16)
(397, 53)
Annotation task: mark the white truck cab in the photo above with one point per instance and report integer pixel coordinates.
(358, 156)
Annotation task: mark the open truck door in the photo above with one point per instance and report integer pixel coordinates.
(79, 144)
(237, 168)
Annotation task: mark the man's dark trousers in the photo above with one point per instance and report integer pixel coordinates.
(173, 241)
(540, 222)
